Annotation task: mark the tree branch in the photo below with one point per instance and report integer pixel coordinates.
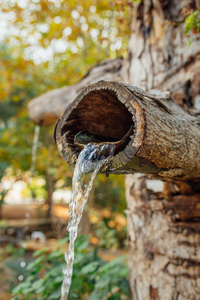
(165, 142)
(47, 108)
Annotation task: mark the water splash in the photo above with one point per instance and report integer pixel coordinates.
(34, 148)
(91, 159)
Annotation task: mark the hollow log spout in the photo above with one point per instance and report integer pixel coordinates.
(164, 141)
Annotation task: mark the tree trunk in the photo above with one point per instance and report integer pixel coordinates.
(164, 218)
(164, 239)
(50, 190)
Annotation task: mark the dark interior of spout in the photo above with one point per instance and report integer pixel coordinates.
(100, 113)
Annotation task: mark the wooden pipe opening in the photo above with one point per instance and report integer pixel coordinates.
(105, 110)
(99, 113)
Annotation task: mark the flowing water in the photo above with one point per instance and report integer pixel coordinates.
(91, 159)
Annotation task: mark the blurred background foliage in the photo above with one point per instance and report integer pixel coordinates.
(46, 44)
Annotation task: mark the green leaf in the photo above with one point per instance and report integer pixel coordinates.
(37, 284)
(119, 262)
(55, 254)
(55, 295)
(103, 282)
(77, 284)
(82, 243)
(114, 297)
(99, 294)
(20, 288)
(58, 279)
(89, 268)
(63, 241)
(41, 251)
(36, 263)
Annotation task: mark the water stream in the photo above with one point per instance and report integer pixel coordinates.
(91, 159)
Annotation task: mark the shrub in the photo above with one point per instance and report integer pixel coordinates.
(92, 279)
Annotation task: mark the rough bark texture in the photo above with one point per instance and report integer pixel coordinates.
(158, 56)
(164, 256)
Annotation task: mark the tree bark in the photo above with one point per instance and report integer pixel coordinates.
(158, 56)
(164, 240)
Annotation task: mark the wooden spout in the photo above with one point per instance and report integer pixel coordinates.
(159, 142)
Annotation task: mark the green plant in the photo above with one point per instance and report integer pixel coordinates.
(110, 228)
(35, 188)
(111, 280)
(192, 23)
(12, 265)
(108, 236)
(92, 278)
